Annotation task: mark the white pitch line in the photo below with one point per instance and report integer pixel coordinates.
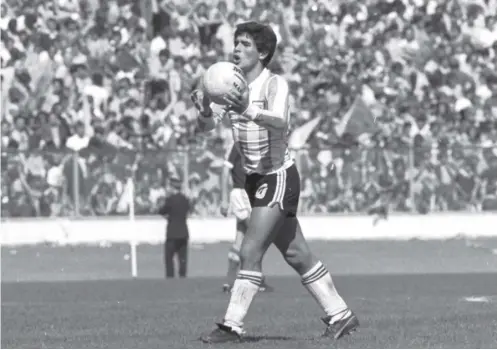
(480, 299)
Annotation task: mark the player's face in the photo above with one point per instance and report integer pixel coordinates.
(245, 54)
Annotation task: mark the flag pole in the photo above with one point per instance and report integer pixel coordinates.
(131, 200)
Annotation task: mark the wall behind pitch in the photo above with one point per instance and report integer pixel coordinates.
(210, 230)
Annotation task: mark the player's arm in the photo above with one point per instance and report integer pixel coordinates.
(233, 158)
(208, 120)
(225, 181)
(225, 188)
(229, 163)
(276, 116)
(209, 114)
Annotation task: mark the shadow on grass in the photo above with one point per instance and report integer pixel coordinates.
(258, 338)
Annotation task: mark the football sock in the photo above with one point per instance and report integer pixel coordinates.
(233, 263)
(244, 290)
(319, 283)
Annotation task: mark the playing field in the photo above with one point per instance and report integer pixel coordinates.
(416, 294)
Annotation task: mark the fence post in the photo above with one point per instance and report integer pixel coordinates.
(186, 170)
(75, 159)
(410, 172)
(130, 184)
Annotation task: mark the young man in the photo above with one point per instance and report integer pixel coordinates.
(259, 120)
(239, 205)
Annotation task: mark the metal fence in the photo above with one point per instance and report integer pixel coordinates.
(95, 183)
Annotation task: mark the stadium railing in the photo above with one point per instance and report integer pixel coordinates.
(365, 179)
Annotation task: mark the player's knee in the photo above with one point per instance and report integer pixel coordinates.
(299, 258)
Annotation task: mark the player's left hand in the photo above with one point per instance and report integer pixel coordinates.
(236, 101)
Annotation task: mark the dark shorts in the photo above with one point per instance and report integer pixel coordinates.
(281, 188)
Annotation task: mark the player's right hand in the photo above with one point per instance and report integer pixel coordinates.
(201, 101)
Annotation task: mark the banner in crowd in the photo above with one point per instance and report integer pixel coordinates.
(358, 120)
(299, 136)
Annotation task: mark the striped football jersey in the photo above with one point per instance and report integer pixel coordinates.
(264, 150)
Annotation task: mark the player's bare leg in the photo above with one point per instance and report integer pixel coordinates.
(340, 320)
(234, 255)
(234, 260)
(264, 225)
(240, 207)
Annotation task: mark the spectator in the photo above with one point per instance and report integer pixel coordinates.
(79, 140)
(424, 72)
(225, 33)
(20, 134)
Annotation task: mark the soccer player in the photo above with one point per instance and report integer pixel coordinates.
(259, 121)
(239, 205)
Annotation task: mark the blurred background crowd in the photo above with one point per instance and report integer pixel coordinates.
(394, 102)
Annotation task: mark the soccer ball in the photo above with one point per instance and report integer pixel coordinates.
(221, 78)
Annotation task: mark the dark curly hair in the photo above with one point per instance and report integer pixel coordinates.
(264, 38)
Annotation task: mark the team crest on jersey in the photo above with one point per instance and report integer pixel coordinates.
(261, 191)
(260, 103)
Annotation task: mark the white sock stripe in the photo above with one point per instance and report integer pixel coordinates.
(319, 283)
(255, 278)
(318, 271)
(316, 275)
(252, 280)
(313, 270)
(250, 273)
(321, 274)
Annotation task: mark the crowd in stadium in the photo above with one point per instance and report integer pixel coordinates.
(111, 80)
